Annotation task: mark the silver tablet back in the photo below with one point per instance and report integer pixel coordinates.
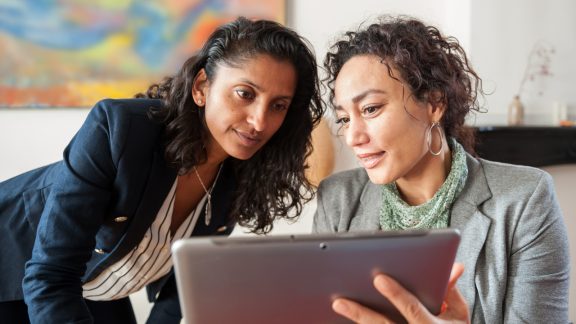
(293, 279)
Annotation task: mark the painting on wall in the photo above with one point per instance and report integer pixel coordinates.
(72, 53)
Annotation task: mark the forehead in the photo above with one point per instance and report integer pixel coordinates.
(262, 70)
(257, 62)
(365, 73)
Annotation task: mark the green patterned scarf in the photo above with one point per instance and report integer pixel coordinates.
(396, 214)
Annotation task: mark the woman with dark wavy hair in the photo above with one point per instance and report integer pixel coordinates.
(224, 141)
(401, 92)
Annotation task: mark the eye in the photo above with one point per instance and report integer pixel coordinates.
(370, 110)
(280, 106)
(244, 94)
(342, 121)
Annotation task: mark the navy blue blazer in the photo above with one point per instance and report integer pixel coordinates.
(66, 222)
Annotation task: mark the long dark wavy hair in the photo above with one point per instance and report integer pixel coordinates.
(272, 181)
(428, 63)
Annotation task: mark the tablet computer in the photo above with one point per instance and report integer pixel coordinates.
(294, 278)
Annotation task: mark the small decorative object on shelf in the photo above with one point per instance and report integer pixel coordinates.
(560, 113)
(516, 112)
(538, 65)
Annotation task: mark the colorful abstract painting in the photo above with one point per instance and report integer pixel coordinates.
(72, 53)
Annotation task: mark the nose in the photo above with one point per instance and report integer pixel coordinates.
(355, 133)
(257, 116)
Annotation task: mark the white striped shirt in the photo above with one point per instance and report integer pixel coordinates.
(148, 261)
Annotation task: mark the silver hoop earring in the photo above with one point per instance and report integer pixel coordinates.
(429, 138)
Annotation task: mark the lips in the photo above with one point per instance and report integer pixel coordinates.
(247, 139)
(370, 160)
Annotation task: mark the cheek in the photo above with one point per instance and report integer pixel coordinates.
(212, 121)
(220, 114)
(276, 122)
(386, 131)
(404, 140)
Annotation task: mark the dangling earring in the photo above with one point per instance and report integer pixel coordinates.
(429, 138)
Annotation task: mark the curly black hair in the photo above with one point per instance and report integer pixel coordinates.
(428, 62)
(272, 182)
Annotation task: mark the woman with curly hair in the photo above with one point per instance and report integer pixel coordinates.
(401, 92)
(224, 141)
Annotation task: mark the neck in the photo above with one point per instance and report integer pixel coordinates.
(426, 178)
(215, 155)
(206, 170)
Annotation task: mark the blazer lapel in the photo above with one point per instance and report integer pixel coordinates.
(472, 224)
(157, 188)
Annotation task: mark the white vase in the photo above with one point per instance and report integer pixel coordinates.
(516, 112)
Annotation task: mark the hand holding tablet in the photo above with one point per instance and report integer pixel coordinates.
(454, 308)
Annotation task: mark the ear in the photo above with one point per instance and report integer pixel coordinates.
(200, 88)
(436, 106)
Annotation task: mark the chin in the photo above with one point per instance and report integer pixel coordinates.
(377, 178)
(242, 155)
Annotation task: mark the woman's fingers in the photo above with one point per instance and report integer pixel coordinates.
(456, 309)
(457, 271)
(357, 312)
(456, 304)
(408, 305)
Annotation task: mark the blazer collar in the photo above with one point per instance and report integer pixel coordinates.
(467, 217)
(160, 180)
(157, 187)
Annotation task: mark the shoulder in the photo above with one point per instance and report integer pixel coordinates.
(345, 202)
(508, 178)
(346, 189)
(348, 181)
(121, 115)
(508, 193)
(124, 108)
(121, 124)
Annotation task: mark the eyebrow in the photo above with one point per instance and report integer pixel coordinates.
(361, 96)
(259, 88)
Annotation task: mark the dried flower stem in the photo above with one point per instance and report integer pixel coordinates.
(538, 64)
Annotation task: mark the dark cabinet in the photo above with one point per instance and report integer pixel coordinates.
(528, 145)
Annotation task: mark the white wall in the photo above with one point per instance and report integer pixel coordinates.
(502, 35)
(31, 138)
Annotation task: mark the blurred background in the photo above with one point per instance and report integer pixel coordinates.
(72, 53)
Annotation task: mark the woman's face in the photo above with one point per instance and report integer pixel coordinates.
(245, 105)
(381, 121)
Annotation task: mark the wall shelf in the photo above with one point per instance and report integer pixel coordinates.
(527, 145)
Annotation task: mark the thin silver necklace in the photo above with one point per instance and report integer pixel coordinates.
(208, 210)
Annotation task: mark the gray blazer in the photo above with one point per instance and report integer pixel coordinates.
(514, 243)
